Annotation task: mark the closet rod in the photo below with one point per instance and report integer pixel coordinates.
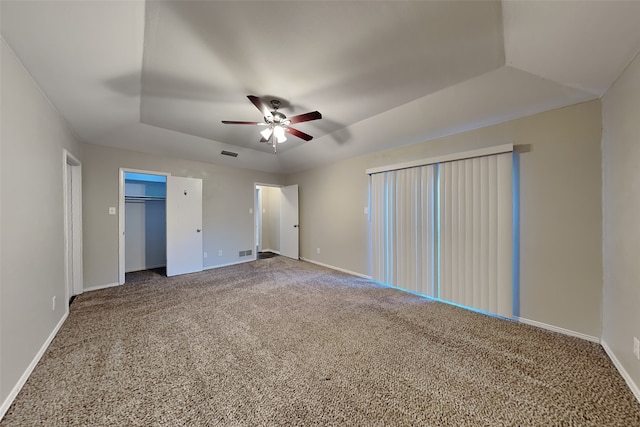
(143, 198)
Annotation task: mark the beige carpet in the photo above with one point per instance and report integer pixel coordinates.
(283, 342)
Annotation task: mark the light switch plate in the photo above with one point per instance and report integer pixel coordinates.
(112, 210)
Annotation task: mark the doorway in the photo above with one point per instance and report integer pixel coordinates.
(276, 221)
(142, 221)
(145, 223)
(267, 220)
(72, 193)
(181, 241)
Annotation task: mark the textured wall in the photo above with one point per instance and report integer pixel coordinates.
(32, 258)
(621, 188)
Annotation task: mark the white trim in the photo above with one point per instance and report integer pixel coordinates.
(353, 273)
(488, 151)
(70, 164)
(25, 376)
(108, 285)
(228, 264)
(632, 385)
(121, 214)
(557, 329)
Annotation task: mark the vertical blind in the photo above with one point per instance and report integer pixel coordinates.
(476, 229)
(403, 227)
(445, 230)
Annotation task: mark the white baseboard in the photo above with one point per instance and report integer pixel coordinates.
(23, 379)
(635, 389)
(353, 273)
(95, 288)
(558, 329)
(211, 267)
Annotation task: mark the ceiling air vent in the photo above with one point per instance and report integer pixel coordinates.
(229, 153)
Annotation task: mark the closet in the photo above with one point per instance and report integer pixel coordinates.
(145, 221)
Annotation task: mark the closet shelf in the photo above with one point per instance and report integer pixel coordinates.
(143, 198)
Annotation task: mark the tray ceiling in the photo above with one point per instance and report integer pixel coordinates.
(159, 77)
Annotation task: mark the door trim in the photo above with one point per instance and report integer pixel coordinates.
(256, 211)
(71, 164)
(121, 206)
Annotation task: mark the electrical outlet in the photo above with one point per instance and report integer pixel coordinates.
(636, 347)
(206, 255)
(220, 252)
(53, 304)
(318, 250)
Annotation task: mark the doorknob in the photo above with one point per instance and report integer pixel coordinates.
(295, 226)
(198, 230)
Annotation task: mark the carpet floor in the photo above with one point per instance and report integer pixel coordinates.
(284, 342)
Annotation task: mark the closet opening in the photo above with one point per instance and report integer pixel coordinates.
(145, 226)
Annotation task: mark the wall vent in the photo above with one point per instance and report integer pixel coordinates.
(229, 153)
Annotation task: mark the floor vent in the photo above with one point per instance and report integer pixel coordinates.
(229, 153)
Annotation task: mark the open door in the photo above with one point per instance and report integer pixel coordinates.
(289, 228)
(184, 225)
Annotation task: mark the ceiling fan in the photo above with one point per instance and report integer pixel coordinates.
(277, 123)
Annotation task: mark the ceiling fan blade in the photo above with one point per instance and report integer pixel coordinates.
(296, 132)
(307, 117)
(259, 105)
(233, 122)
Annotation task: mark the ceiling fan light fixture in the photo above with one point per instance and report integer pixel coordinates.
(278, 132)
(266, 134)
(277, 123)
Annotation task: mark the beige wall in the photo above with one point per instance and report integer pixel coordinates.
(621, 248)
(33, 137)
(560, 198)
(228, 194)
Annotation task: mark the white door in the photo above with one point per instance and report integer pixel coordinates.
(289, 222)
(184, 225)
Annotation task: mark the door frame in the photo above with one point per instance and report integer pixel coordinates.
(256, 211)
(72, 223)
(257, 224)
(121, 216)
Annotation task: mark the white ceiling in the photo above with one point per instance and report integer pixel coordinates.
(159, 77)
